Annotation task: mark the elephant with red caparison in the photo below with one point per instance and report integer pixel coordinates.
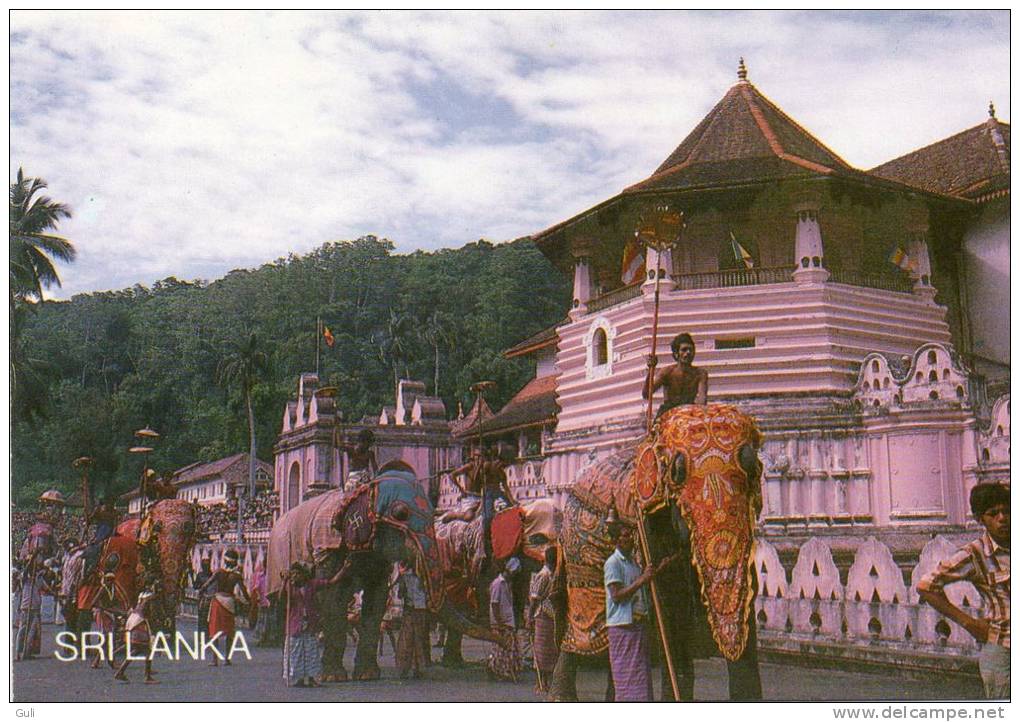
(524, 531)
(161, 556)
(371, 527)
(696, 479)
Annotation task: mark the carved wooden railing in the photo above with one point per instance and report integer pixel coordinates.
(732, 277)
(884, 280)
(614, 297)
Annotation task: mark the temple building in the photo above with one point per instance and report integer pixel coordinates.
(307, 456)
(860, 316)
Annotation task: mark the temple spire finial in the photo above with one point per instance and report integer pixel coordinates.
(742, 70)
(991, 109)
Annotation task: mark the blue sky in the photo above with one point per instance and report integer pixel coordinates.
(189, 144)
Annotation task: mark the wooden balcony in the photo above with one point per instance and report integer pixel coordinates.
(891, 280)
(732, 277)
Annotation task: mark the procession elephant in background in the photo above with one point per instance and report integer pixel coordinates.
(151, 552)
(524, 531)
(368, 528)
(696, 480)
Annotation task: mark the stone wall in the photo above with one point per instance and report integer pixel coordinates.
(869, 614)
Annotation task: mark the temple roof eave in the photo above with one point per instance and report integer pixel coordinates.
(544, 239)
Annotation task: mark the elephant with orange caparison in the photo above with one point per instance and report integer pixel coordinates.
(368, 529)
(696, 480)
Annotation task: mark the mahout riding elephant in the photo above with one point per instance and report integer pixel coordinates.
(151, 552)
(367, 528)
(697, 479)
(524, 531)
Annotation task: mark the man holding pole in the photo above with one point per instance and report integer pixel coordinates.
(682, 382)
(626, 611)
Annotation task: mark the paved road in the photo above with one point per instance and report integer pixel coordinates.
(48, 680)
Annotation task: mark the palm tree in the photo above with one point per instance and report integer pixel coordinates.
(398, 336)
(436, 332)
(32, 247)
(243, 365)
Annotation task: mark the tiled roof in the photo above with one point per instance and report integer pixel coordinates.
(199, 470)
(973, 164)
(745, 137)
(469, 423)
(533, 404)
(211, 469)
(545, 337)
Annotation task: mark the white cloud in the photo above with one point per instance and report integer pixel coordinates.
(189, 144)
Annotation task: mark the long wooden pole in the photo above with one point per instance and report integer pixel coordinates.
(655, 338)
(642, 533)
(286, 619)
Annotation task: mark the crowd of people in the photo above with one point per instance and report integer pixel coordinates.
(258, 514)
(67, 527)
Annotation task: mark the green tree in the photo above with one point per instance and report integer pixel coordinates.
(436, 332)
(30, 374)
(32, 247)
(32, 251)
(243, 365)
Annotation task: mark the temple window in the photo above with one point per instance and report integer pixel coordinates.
(599, 344)
(731, 343)
(601, 347)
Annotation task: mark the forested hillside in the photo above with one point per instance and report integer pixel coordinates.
(114, 362)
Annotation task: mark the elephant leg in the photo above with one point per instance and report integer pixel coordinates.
(678, 590)
(373, 605)
(334, 628)
(451, 649)
(563, 686)
(744, 675)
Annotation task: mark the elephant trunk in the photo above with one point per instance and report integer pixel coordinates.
(454, 619)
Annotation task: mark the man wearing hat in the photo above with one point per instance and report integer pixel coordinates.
(225, 583)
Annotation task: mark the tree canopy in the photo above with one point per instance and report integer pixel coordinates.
(153, 355)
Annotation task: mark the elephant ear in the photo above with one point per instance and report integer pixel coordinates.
(647, 481)
(357, 518)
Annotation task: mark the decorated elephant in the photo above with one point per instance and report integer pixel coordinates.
(695, 479)
(524, 531)
(367, 529)
(153, 552)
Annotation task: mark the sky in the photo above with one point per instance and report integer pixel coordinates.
(192, 143)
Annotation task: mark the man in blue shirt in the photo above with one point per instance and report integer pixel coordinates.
(626, 609)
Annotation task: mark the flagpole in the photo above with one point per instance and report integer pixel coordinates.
(318, 335)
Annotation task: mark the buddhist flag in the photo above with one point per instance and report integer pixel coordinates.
(900, 259)
(740, 253)
(328, 336)
(633, 263)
